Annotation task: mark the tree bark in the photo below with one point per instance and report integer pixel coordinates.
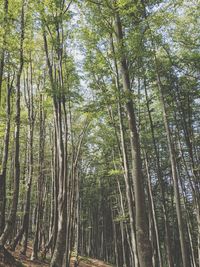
(5, 159)
(5, 27)
(12, 216)
(143, 243)
(40, 181)
(160, 181)
(185, 258)
(153, 212)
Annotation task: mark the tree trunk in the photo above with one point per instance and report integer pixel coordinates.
(4, 160)
(40, 182)
(153, 212)
(185, 258)
(125, 163)
(160, 181)
(2, 59)
(25, 224)
(12, 216)
(143, 243)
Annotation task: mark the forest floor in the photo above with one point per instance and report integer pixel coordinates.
(25, 261)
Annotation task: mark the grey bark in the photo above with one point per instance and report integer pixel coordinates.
(143, 243)
(12, 216)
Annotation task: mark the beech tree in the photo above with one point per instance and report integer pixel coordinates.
(99, 133)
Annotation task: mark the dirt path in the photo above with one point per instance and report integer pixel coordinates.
(91, 263)
(26, 261)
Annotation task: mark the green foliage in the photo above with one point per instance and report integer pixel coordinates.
(160, 41)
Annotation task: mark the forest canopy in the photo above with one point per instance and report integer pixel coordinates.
(100, 133)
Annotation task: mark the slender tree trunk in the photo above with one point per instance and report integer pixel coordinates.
(5, 159)
(60, 247)
(143, 243)
(124, 152)
(189, 226)
(2, 57)
(40, 182)
(30, 172)
(122, 227)
(77, 220)
(185, 258)
(55, 193)
(154, 217)
(59, 253)
(160, 180)
(12, 216)
(115, 241)
(194, 175)
(25, 223)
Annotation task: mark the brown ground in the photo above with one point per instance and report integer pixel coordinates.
(25, 260)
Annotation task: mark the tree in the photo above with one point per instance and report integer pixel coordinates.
(99, 132)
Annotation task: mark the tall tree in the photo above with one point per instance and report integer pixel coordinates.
(12, 216)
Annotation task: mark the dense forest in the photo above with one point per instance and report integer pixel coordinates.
(100, 132)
